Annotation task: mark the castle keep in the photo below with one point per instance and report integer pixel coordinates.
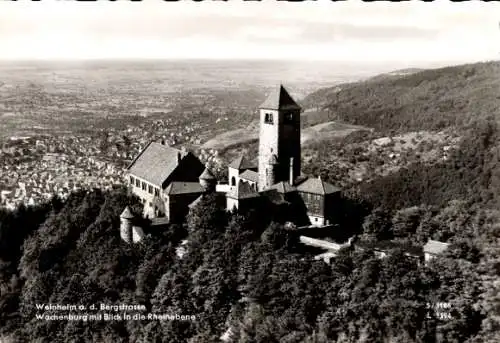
(279, 139)
(170, 181)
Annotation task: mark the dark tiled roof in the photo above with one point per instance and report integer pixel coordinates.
(220, 200)
(127, 214)
(241, 163)
(280, 99)
(207, 175)
(317, 186)
(283, 187)
(250, 175)
(242, 191)
(435, 247)
(156, 163)
(274, 196)
(196, 201)
(179, 187)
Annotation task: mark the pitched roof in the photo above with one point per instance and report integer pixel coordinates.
(283, 187)
(127, 214)
(274, 196)
(207, 175)
(250, 175)
(317, 186)
(280, 99)
(242, 191)
(196, 201)
(435, 247)
(180, 187)
(156, 162)
(241, 163)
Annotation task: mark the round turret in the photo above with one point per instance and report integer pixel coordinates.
(207, 180)
(127, 214)
(126, 221)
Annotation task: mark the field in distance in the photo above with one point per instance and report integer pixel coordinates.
(60, 97)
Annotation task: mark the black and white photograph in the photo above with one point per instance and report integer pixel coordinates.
(249, 171)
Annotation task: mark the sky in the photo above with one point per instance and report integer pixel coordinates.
(414, 31)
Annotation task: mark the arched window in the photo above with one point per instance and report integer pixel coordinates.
(268, 118)
(233, 181)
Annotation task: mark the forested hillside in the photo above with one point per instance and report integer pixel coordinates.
(247, 274)
(427, 100)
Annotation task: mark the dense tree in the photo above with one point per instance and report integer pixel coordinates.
(377, 225)
(244, 272)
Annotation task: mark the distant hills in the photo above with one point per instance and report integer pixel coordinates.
(250, 134)
(397, 102)
(412, 100)
(396, 74)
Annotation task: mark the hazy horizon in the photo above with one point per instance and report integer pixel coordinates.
(342, 68)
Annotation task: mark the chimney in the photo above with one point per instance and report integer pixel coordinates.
(292, 177)
(162, 142)
(179, 157)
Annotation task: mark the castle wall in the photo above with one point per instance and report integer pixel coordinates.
(144, 194)
(189, 170)
(231, 203)
(126, 230)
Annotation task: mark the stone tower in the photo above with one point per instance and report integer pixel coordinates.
(126, 222)
(208, 181)
(271, 172)
(279, 136)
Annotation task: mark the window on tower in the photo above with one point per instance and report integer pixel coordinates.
(289, 117)
(268, 118)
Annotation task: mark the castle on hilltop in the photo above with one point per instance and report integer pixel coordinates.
(169, 181)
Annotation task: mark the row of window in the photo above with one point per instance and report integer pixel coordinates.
(269, 119)
(252, 184)
(311, 196)
(313, 202)
(144, 186)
